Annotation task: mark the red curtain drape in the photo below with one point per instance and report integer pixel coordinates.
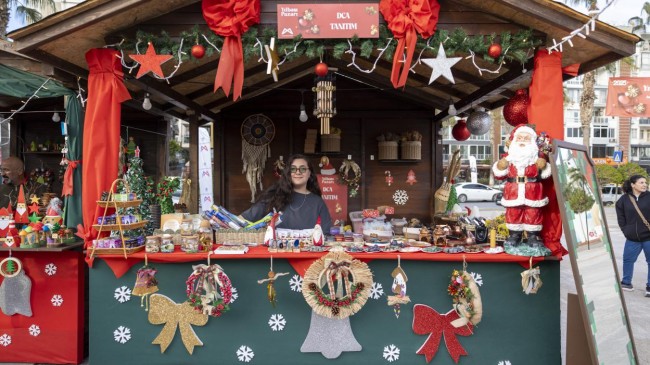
(546, 112)
(101, 143)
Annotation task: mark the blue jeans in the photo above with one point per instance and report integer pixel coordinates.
(630, 254)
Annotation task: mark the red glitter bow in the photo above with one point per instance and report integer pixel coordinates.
(427, 321)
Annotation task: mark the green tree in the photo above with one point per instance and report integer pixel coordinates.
(143, 187)
(28, 12)
(628, 169)
(638, 23)
(608, 174)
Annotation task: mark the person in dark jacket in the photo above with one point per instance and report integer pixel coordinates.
(634, 228)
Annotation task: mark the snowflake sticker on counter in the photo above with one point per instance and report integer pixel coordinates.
(122, 334)
(57, 300)
(50, 269)
(34, 330)
(234, 296)
(245, 354)
(277, 322)
(296, 283)
(122, 294)
(391, 353)
(5, 340)
(376, 291)
(478, 278)
(506, 362)
(400, 197)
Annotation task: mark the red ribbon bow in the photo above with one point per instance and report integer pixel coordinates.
(68, 180)
(427, 321)
(230, 19)
(404, 18)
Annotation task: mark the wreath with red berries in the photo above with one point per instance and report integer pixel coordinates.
(339, 270)
(209, 290)
(466, 298)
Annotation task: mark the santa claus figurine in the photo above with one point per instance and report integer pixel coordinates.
(523, 197)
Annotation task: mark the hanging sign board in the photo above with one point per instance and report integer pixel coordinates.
(628, 97)
(335, 196)
(338, 20)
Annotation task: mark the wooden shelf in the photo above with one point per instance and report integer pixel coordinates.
(399, 161)
(116, 251)
(43, 153)
(114, 204)
(116, 227)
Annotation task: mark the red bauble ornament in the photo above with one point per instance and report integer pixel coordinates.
(460, 131)
(494, 50)
(516, 109)
(198, 51)
(321, 69)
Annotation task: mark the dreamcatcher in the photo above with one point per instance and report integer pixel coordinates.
(257, 132)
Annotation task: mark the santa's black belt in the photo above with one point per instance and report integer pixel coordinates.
(521, 179)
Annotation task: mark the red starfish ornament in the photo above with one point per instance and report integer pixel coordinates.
(150, 61)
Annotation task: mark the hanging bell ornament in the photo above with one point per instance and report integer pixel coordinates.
(321, 69)
(460, 131)
(494, 50)
(198, 51)
(515, 111)
(479, 123)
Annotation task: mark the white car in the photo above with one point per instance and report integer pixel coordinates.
(476, 192)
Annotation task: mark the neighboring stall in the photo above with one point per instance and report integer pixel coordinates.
(383, 143)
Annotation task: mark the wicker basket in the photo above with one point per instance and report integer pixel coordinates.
(411, 150)
(240, 237)
(387, 150)
(330, 143)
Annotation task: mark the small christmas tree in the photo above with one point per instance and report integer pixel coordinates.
(453, 199)
(143, 187)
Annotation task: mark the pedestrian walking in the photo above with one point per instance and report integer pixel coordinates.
(632, 208)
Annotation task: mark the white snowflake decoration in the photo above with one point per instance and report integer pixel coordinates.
(296, 283)
(57, 300)
(391, 353)
(376, 291)
(245, 354)
(478, 278)
(235, 295)
(5, 340)
(277, 322)
(400, 197)
(122, 334)
(34, 330)
(504, 362)
(122, 294)
(50, 269)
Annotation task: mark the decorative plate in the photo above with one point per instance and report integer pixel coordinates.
(418, 243)
(432, 249)
(410, 249)
(497, 249)
(456, 249)
(258, 130)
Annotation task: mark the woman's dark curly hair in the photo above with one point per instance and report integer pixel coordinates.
(279, 194)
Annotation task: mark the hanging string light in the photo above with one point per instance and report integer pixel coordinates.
(325, 100)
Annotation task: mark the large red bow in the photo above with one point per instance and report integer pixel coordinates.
(230, 19)
(68, 180)
(427, 321)
(404, 18)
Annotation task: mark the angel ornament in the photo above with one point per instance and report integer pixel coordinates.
(270, 280)
(399, 289)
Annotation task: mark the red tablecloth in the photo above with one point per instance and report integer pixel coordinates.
(301, 261)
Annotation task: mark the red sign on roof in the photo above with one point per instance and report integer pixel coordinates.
(328, 20)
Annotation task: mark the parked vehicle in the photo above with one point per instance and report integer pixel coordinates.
(610, 194)
(476, 192)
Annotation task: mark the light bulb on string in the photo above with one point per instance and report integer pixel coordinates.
(452, 108)
(56, 117)
(146, 104)
(303, 113)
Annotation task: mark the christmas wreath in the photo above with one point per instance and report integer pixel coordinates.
(202, 286)
(466, 298)
(347, 280)
(351, 182)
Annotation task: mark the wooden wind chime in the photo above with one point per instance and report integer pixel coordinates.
(325, 100)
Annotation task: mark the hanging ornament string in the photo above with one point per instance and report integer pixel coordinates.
(270, 280)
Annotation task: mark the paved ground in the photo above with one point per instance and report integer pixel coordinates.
(637, 303)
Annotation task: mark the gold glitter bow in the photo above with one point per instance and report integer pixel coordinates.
(163, 310)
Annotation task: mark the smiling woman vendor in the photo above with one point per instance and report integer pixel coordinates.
(297, 195)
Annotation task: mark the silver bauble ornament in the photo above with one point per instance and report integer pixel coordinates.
(479, 123)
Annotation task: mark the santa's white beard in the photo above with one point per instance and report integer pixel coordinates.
(522, 156)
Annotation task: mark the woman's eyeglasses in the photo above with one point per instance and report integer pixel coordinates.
(301, 169)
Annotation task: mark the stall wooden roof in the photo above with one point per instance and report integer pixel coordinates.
(62, 39)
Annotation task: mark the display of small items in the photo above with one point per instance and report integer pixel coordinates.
(125, 219)
(115, 242)
(189, 240)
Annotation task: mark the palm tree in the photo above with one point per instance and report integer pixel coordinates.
(28, 11)
(637, 22)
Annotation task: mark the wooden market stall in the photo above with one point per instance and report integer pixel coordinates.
(367, 106)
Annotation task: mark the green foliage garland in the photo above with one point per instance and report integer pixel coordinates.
(457, 41)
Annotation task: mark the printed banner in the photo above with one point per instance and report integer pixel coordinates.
(205, 170)
(313, 21)
(335, 196)
(628, 97)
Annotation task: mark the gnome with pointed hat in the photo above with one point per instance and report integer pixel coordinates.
(523, 196)
(21, 215)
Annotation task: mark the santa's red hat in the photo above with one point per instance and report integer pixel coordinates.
(21, 195)
(51, 212)
(520, 129)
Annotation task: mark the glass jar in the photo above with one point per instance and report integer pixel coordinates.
(167, 244)
(190, 244)
(152, 244)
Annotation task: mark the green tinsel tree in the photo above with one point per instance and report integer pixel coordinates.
(143, 187)
(453, 199)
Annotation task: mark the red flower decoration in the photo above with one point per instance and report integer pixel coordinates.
(230, 19)
(404, 18)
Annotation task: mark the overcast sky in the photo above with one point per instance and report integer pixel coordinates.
(616, 14)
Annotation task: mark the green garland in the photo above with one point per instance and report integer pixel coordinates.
(456, 42)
